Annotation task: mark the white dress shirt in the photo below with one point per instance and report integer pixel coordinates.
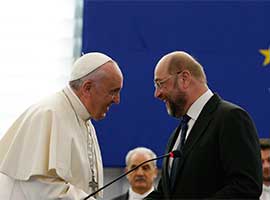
(193, 112)
(265, 193)
(135, 196)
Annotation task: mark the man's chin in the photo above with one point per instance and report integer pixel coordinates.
(172, 113)
(266, 179)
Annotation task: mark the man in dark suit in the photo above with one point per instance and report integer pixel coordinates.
(265, 155)
(220, 151)
(142, 179)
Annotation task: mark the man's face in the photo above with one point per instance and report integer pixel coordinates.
(169, 91)
(265, 154)
(104, 92)
(142, 179)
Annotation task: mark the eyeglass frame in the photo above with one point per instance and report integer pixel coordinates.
(159, 83)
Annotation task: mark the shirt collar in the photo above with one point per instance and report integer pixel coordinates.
(196, 108)
(77, 104)
(266, 188)
(133, 195)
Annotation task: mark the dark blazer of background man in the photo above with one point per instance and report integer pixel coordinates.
(221, 154)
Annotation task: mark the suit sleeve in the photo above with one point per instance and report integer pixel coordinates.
(240, 156)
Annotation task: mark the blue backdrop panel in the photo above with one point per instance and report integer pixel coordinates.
(225, 37)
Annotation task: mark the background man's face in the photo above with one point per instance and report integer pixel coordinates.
(142, 179)
(266, 164)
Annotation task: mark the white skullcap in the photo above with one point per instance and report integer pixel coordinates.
(88, 63)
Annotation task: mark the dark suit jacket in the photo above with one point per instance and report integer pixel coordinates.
(221, 157)
(122, 197)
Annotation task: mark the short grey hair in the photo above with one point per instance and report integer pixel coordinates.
(142, 150)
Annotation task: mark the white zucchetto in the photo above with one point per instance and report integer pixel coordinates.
(88, 63)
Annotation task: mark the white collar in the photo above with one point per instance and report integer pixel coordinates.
(196, 108)
(78, 106)
(266, 188)
(133, 195)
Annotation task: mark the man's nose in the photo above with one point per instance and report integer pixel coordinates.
(116, 98)
(139, 171)
(266, 164)
(157, 93)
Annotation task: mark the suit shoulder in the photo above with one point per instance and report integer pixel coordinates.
(225, 109)
(227, 106)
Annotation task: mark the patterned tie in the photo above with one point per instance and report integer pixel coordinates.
(183, 130)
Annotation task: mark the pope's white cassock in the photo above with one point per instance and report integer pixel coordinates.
(51, 152)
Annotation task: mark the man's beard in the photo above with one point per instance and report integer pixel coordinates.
(266, 176)
(266, 179)
(175, 108)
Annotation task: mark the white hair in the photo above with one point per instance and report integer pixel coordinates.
(143, 150)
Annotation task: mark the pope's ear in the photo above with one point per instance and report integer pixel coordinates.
(86, 86)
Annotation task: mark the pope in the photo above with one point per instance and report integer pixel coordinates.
(51, 151)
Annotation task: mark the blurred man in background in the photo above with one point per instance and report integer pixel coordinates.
(265, 154)
(142, 179)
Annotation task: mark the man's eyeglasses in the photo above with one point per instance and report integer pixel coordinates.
(159, 83)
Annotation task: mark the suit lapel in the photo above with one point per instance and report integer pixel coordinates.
(126, 196)
(201, 123)
(198, 128)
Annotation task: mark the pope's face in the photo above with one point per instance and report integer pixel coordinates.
(104, 92)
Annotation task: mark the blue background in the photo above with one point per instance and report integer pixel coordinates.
(225, 37)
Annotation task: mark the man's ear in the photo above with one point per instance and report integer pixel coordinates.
(126, 169)
(156, 172)
(185, 78)
(87, 86)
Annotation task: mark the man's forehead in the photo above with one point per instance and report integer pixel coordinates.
(160, 71)
(265, 154)
(162, 65)
(266, 151)
(138, 158)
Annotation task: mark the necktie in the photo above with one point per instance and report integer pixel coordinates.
(183, 130)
